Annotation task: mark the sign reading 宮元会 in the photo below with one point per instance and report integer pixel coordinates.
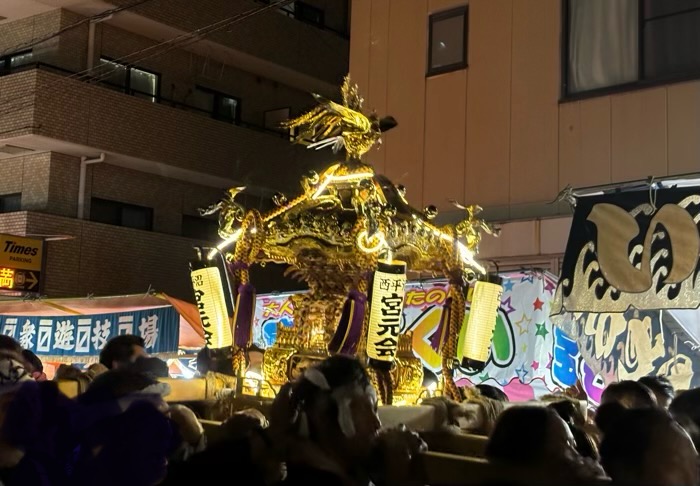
(20, 263)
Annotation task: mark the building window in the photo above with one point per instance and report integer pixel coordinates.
(131, 80)
(447, 41)
(272, 119)
(308, 13)
(221, 106)
(627, 42)
(121, 214)
(11, 202)
(200, 228)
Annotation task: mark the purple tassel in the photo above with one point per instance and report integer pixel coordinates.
(233, 266)
(347, 336)
(243, 316)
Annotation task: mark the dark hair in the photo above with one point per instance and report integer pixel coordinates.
(120, 349)
(627, 436)
(568, 411)
(637, 394)
(586, 445)
(338, 371)
(520, 434)
(115, 384)
(492, 392)
(9, 344)
(151, 366)
(659, 385)
(685, 408)
(33, 361)
(219, 360)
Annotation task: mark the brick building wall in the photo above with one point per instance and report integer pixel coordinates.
(63, 186)
(72, 111)
(181, 71)
(85, 257)
(17, 99)
(28, 175)
(101, 259)
(170, 199)
(22, 32)
(316, 52)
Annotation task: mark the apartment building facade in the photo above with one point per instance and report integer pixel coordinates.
(505, 103)
(111, 138)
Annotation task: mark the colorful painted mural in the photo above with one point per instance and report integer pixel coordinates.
(525, 361)
(627, 346)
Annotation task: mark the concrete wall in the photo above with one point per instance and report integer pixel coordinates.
(496, 132)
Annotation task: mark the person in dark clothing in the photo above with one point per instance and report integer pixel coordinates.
(685, 409)
(34, 365)
(537, 441)
(645, 447)
(150, 366)
(662, 389)
(121, 351)
(327, 426)
(629, 394)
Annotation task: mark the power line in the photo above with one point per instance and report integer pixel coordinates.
(174, 43)
(94, 18)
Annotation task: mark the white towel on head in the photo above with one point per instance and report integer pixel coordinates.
(12, 373)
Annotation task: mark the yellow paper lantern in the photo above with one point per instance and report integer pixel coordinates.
(485, 302)
(211, 302)
(386, 307)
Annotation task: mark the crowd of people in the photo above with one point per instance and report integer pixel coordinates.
(322, 429)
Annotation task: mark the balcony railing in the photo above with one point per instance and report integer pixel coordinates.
(157, 98)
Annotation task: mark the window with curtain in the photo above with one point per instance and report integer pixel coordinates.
(620, 42)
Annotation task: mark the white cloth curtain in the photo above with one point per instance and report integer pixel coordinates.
(603, 43)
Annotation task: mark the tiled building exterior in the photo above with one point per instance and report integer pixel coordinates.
(177, 125)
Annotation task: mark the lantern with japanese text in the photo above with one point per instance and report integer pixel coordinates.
(386, 306)
(211, 301)
(485, 301)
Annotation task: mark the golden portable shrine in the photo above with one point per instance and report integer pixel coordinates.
(351, 236)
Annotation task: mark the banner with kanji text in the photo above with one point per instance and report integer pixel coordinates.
(81, 337)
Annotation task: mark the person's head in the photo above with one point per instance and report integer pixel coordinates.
(9, 344)
(527, 435)
(685, 408)
(629, 394)
(662, 389)
(13, 370)
(151, 366)
(219, 360)
(492, 392)
(122, 351)
(125, 386)
(645, 446)
(569, 411)
(333, 405)
(34, 365)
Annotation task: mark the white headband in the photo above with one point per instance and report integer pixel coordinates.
(342, 396)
